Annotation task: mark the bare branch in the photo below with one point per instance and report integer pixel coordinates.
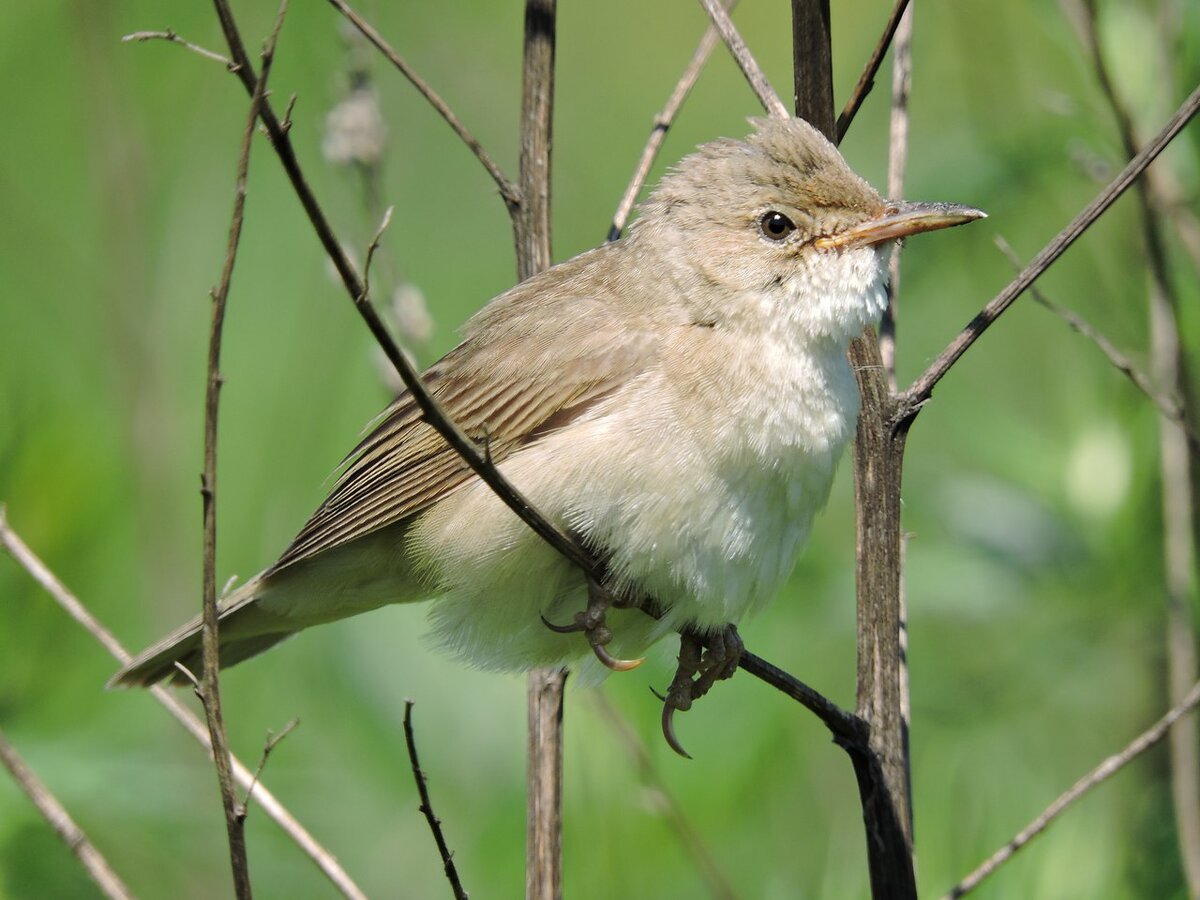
(897, 160)
(28, 560)
(922, 389)
(142, 36)
(210, 695)
(866, 81)
(372, 247)
(745, 60)
(1097, 776)
(508, 191)
(426, 807)
(64, 826)
(662, 124)
(269, 745)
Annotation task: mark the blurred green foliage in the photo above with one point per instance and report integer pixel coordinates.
(1032, 488)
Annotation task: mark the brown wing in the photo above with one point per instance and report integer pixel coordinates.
(519, 375)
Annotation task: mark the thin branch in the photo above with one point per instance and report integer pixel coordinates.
(662, 124)
(28, 560)
(1169, 406)
(922, 389)
(142, 36)
(508, 191)
(745, 60)
(426, 807)
(897, 160)
(64, 826)
(431, 409)
(210, 640)
(866, 81)
(372, 248)
(1097, 776)
(652, 779)
(269, 745)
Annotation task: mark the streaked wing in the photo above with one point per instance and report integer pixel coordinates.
(514, 379)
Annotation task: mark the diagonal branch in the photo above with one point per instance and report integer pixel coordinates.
(745, 60)
(662, 124)
(508, 191)
(435, 824)
(28, 560)
(866, 81)
(922, 389)
(171, 37)
(1139, 745)
(64, 826)
(210, 695)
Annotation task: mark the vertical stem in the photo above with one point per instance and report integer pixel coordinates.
(878, 461)
(531, 232)
(812, 64)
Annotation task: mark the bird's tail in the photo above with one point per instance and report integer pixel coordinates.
(241, 632)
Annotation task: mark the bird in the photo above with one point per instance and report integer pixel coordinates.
(676, 400)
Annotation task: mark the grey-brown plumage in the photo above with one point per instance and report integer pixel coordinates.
(678, 399)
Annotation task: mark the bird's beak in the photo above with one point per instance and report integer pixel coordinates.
(900, 219)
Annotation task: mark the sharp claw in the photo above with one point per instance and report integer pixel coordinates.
(656, 693)
(617, 665)
(561, 629)
(668, 729)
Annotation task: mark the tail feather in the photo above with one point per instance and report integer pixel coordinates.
(239, 641)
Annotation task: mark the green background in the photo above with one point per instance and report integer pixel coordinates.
(1032, 490)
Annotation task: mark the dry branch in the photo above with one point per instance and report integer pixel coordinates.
(1097, 776)
(745, 60)
(435, 824)
(28, 560)
(210, 692)
(64, 826)
(866, 81)
(662, 124)
(508, 191)
(922, 389)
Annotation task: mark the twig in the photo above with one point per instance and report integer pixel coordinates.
(64, 826)
(269, 744)
(922, 389)
(1098, 775)
(897, 160)
(866, 80)
(431, 409)
(662, 124)
(719, 885)
(508, 191)
(426, 807)
(142, 36)
(1169, 406)
(28, 560)
(745, 60)
(371, 248)
(210, 696)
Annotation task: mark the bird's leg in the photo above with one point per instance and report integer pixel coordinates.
(698, 670)
(592, 622)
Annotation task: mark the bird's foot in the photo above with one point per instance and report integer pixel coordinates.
(699, 668)
(592, 622)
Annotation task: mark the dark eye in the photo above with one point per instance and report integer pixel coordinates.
(775, 226)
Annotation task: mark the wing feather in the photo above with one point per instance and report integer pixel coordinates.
(507, 384)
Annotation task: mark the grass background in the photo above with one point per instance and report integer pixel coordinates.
(1031, 490)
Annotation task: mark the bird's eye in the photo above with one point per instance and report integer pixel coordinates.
(775, 226)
